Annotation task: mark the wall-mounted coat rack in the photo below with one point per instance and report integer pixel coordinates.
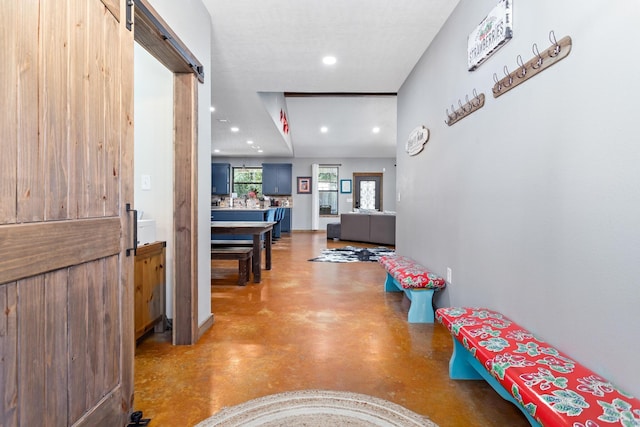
(540, 61)
(463, 111)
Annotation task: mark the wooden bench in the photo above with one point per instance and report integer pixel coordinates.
(418, 284)
(219, 243)
(242, 254)
(550, 388)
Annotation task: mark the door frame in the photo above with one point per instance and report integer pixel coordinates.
(156, 36)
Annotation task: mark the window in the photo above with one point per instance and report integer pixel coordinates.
(247, 179)
(328, 190)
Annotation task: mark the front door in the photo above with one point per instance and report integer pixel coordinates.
(367, 191)
(66, 295)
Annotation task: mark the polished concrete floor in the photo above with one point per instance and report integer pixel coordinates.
(309, 325)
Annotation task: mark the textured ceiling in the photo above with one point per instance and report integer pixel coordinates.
(262, 49)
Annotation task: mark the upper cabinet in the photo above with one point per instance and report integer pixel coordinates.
(276, 179)
(220, 178)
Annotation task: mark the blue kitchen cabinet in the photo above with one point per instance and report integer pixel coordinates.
(276, 179)
(220, 178)
(285, 225)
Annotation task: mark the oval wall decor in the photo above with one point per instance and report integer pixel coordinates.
(417, 138)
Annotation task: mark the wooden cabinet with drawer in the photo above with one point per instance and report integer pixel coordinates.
(150, 283)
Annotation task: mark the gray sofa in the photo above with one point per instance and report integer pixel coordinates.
(368, 227)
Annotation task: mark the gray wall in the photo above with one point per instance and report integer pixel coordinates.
(190, 20)
(301, 213)
(534, 200)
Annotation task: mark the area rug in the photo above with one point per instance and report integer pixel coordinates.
(353, 254)
(317, 408)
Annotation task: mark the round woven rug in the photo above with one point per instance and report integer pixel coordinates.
(317, 408)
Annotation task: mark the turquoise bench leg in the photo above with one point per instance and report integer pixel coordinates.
(390, 284)
(421, 310)
(464, 366)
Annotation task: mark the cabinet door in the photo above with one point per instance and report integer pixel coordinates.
(220, 178)
(150, 282)
(269, 179)
(284, 179)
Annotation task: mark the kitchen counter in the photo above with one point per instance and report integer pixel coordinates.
(220, 208)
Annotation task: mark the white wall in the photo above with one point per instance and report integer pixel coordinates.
(534, 200)
(190, 20)
(153, 153)
(301, 212)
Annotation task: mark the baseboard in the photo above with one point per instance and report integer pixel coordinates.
(204, 327)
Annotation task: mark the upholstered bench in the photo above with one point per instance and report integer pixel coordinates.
(550, 388)
(418, 284)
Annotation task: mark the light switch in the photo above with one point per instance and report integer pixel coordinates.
(146, 182)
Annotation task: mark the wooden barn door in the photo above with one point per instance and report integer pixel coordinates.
(66, 131)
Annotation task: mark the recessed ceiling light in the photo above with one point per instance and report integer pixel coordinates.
(329, 60)
(376, 129)
(223, 120)
(235, 129)
(249, 142)
(324, 129)
(212, 109)
(260, 151)
(216, 151)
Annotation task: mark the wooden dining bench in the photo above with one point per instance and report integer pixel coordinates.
(244, 256)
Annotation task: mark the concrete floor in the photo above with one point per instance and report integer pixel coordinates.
(309, 325)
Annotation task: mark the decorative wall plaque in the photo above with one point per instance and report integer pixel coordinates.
(417, 138)
(493, 32)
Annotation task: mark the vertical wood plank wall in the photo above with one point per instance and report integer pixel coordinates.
(67, 136)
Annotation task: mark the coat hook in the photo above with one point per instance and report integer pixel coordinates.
(497, 87)
(476, 97)
(554, 42)
(536, 52)
(523, 68)
(506, 74)
(468, 105)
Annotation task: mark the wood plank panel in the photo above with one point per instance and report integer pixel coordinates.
(8, 355)
(31, 368)
(29, 249)
(95, 157)
(30, 181)
(9, 116)
(126, 194)
(56, 340)
(78, 321)
(114, 7)
(94, 376)
(78, 100)
(112, 324)
(112, 118)
(185, 202)
(54, 55)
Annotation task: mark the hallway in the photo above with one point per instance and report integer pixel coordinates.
(309, 325)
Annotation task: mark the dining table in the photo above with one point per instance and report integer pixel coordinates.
(255, 228)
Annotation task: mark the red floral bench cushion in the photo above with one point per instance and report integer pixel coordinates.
(554, 389)
(410, 274)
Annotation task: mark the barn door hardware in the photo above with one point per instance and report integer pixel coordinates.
(135, 230)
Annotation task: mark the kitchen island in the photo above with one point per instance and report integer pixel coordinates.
(237, 214)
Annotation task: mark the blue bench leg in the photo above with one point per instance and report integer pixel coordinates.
(421, 310)
(460, 367)
(390, 284)
(464, 366)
